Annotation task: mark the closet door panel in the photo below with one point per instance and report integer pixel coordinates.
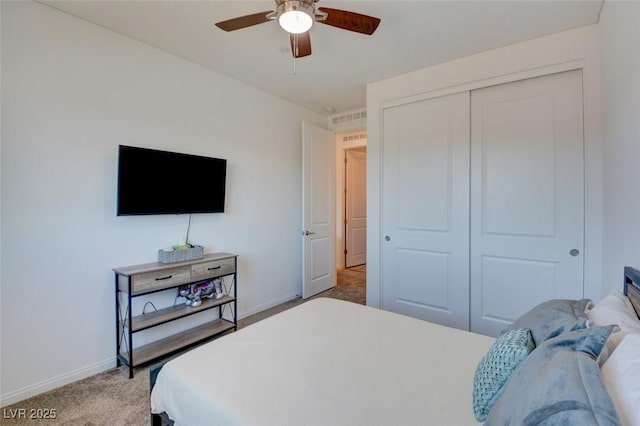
(518, 164)
(533, 278)
(425, 213)
(527, 197)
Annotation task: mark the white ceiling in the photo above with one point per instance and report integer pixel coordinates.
(412, 35)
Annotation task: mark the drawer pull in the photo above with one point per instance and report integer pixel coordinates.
(213, 268)
(164, 278)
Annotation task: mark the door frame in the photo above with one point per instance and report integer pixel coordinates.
(344, 141)
(345, 197)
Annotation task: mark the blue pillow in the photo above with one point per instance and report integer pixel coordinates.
(552, 318)
(495, 369)
(559, 383)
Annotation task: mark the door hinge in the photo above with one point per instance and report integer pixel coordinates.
(345, 252)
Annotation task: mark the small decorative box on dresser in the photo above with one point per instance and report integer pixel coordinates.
(140, 280)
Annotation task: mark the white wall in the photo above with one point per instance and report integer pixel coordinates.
(574, 49)
(73, 91)
(620, 44)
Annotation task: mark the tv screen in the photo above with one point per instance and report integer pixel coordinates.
(161, 182)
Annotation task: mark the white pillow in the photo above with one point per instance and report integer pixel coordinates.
(615, 309)
(621, 376)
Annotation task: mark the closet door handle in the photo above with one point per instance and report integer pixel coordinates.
(387, 238)
(574, 252)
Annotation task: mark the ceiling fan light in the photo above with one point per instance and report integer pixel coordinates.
(295, 17)
(295, 22)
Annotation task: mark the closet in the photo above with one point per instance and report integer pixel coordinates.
(483, 202)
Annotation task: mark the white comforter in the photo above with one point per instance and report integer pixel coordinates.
(326, 362)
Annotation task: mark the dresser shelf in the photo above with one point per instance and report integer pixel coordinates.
(151, 319)
(168, 345)
(139, 281)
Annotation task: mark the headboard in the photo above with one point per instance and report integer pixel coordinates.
(632, 287)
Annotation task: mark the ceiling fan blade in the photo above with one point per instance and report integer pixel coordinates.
(244, 21)
(350, 20)
(300, 44)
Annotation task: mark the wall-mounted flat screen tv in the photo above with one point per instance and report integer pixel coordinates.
(161, 182)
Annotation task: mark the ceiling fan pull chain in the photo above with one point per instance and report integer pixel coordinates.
(295, 52)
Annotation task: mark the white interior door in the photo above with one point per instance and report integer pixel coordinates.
(425, 213)
(527, 189)
(355, 207)
(318, 210)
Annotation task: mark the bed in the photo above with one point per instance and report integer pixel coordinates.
(330, 362)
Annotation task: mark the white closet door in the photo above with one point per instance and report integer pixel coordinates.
(527, 197)
(425, 213)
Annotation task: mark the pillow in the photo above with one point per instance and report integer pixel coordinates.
(615, 309)
(495, 368)
(621, 376)
(559, 383)
(552, 318)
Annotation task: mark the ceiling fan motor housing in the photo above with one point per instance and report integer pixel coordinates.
(295, 16)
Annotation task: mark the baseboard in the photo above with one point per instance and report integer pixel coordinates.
(267, 305)
(64, 379)
(55, 382)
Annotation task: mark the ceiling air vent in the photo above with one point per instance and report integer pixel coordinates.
(337, 119)
(350, 138)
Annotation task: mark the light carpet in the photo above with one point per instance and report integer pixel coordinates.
(111, 398)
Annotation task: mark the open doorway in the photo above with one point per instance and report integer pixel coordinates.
(351, 211)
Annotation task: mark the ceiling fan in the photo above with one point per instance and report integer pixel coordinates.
(297, 16)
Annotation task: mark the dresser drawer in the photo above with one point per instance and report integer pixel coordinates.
(214, 268)
(157, 280)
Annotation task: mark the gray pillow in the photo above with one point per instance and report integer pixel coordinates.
(559, 383)
(553, 317)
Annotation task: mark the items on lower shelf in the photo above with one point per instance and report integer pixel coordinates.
(201, 281)
(194, 293)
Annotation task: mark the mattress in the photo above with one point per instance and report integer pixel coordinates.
(326, 362)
